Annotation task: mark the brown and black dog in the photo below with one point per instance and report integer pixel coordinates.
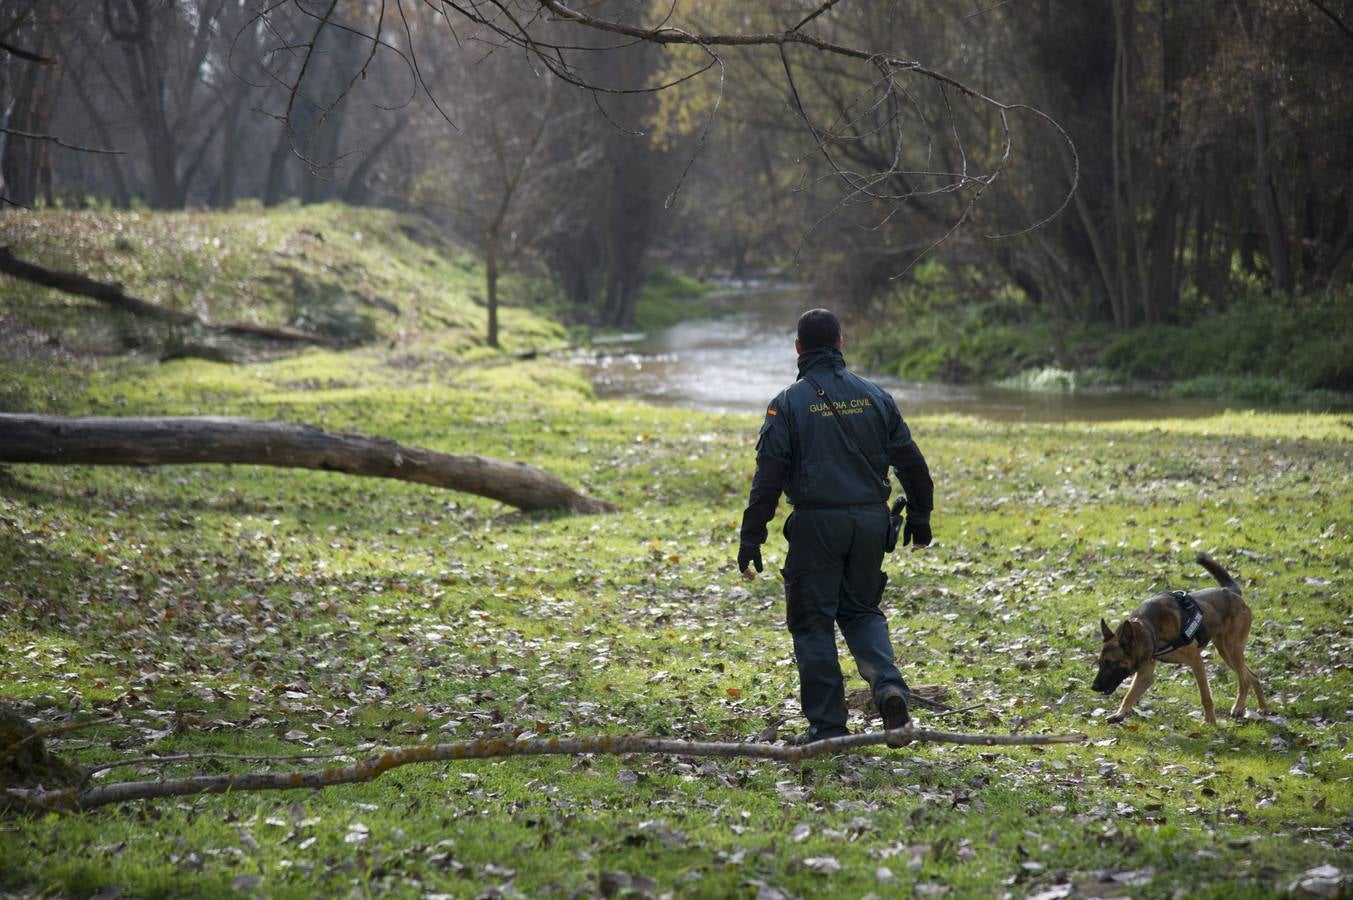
(1150, 631)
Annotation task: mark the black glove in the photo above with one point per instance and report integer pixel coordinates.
(917, 533)
(749, 555)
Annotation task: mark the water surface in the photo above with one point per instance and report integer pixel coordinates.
(739, 361)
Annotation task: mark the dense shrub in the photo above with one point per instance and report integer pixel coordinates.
(1261, 348)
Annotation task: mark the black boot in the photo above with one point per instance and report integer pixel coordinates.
(893, 706)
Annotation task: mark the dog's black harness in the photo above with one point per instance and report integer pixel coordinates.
(1191, 626)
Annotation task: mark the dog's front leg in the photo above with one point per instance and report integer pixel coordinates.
(1140, 682)
(1194, 658)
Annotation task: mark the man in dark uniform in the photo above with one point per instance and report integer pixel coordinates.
(827, 443)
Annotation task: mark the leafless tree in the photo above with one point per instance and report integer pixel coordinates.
(562, 40)
(30, 83)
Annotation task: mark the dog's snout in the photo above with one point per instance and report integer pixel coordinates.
(1106, 682)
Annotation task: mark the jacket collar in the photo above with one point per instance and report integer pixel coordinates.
(821, 358)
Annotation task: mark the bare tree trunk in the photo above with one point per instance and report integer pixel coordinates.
(491, 285)
(151, 441)
(146, 71)
(224, 195)
(22, 161)
(1162, 294)
(1121, 146)
(122, 195)
(1103, 264)
(1267, 196)
(275, 185)
(358, 191)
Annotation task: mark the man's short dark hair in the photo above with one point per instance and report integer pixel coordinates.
(819, 328)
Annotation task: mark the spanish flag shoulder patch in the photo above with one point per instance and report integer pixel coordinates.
(771, 411)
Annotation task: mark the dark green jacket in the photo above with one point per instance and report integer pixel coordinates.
(804, 452)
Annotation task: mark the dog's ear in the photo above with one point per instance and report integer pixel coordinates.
(1108, 632)
(1127, 632)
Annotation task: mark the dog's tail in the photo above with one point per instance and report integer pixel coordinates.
(1223, 577)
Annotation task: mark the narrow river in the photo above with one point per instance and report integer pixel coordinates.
(737, 362)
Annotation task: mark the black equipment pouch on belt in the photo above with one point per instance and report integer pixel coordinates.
(895, 513)
(894, 525)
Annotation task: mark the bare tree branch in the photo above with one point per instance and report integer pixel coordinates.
(372, 767)
(828, 4)
(1348, 32)
(858, 186)
(47, 138)
(28, 55)
(880, 111)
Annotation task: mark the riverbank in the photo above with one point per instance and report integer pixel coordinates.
(1257, 350)
(260, 612)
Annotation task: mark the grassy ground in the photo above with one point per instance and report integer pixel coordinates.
(255, 611)
(252, 611)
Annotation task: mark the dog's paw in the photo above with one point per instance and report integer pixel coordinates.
(1116, 718)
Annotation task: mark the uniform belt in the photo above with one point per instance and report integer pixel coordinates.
(879, 504)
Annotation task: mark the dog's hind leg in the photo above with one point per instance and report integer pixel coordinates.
(1194, 659)
(1258, 689)
(1234, 657)
(1232, 653)
(1140, 682)
(1247, 679)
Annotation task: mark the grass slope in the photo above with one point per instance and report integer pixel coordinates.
(253, 611)
(356, 274)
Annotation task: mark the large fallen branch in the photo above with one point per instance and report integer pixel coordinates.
(153, 441)
(372, 767)
(115, 296)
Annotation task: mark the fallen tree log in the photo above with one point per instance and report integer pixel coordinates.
(114, 295)
(153, 441)
(83, 798)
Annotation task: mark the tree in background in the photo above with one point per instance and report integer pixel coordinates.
(1209, 153)
(29, 83)
(505, 184)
